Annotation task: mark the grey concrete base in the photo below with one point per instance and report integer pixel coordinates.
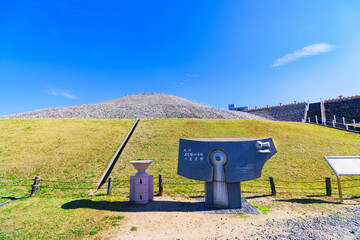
(246, 208)
(168, 204)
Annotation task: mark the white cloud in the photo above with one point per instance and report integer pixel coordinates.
(52, 92)
(191, 75)
(315, 49)
(60, 93)
(68, 95)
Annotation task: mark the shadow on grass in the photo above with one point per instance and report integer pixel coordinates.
(307, 201)
(258, 196)
(127, 206)
(315, 195)
(9, 198)
(197, 197)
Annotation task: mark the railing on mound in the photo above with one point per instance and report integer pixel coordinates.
(185, 186)
(341, 98)
(276, 106)
(306, 111)
(339, 123)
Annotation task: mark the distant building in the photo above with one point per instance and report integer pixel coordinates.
(233, 107)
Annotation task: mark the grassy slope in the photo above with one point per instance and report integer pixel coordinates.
(301, 147)
(58, 148)
(80, 149)
(55, 149)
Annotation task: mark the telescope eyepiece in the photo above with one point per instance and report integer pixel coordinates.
(218, 156)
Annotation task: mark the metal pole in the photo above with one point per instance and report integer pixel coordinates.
(309, 119)
(316, 120)
(333, 122)
(334, 118)
(354, 123)
(344, 121)
(340, 190)
(115, 158)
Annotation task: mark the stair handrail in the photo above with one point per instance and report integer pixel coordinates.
(306, 111)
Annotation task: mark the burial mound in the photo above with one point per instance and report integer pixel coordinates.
(139, 106)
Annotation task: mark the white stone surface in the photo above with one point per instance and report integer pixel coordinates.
(344, 165)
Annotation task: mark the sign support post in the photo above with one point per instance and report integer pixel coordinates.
(344, 165)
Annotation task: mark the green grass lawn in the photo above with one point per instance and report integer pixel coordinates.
(301, 148)
(78, 150)
(65, 150)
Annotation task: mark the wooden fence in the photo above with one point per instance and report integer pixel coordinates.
(168, 186)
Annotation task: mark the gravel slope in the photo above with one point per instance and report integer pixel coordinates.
(139, 106)
(335, 226)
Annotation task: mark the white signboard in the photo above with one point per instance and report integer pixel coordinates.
(345, 165)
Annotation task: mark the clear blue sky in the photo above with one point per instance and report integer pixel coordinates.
(256, 53)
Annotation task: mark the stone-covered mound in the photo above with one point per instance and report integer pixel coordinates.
(139, 106)
(290, 112)
(349, 109)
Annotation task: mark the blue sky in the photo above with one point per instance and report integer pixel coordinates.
(255, 53)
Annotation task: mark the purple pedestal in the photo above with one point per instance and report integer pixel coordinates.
(142, 184)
